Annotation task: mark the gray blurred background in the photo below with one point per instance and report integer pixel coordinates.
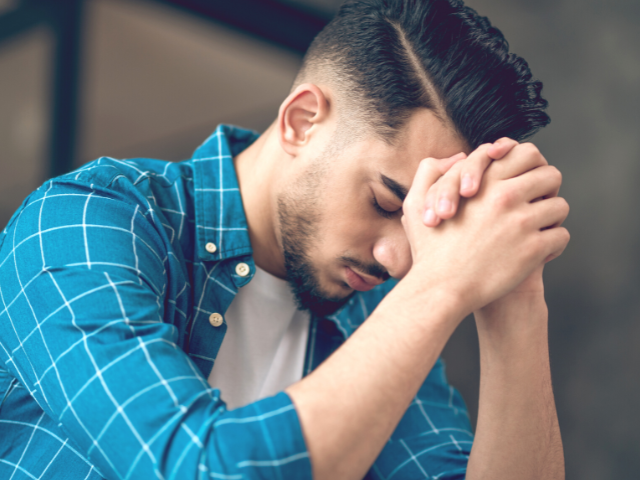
(153, 78)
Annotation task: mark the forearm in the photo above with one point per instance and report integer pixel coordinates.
(517, 435)
(351, 404)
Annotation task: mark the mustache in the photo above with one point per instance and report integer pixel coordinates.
(373, 269)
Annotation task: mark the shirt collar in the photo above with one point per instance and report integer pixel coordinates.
(221, 224)
(221, 221)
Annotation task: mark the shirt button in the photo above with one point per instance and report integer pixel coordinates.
(215, 319)
(242, 269)
(211, 247)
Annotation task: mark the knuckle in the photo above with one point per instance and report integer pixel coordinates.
(503, 198)
(507, 141)
(556, 174)
(427, 161)
(424, 166)
(483, 149)
(531, 150)
(408, 205)
(562, 238)
(522, 222)
(411, 207)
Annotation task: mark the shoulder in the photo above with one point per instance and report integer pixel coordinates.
(74, 223)
(106, 170)
(107, 190)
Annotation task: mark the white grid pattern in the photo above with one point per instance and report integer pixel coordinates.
(105, 284)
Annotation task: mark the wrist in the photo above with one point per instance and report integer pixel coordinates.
(513, 324)
(432, 293)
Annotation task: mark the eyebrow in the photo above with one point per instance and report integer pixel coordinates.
(396, 188)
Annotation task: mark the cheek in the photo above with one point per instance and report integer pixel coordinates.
(353, 222)
(347, 236)
(349, 225)
(344, 231)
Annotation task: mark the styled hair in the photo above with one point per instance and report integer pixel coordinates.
(391, 57)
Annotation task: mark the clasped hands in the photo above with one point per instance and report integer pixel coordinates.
(480, 225)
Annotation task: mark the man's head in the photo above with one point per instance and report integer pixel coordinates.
(384, 59)
(385, 84)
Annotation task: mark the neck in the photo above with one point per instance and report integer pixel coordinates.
(256, 167)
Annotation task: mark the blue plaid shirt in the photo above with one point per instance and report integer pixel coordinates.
(109, 277)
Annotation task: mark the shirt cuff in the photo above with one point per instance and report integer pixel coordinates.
(265, 440)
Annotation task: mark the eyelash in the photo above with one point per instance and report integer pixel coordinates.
(381, 211)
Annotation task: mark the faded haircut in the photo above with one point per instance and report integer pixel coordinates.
(387, 58)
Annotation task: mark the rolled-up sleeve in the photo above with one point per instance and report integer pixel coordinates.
(83, 282)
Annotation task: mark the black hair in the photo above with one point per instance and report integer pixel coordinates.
(394, 56)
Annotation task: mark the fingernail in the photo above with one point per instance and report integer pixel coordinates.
(429, 216)
(467, 183)
(444, 205)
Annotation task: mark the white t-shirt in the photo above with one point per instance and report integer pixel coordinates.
(264, 348)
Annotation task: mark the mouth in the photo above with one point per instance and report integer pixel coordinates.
(360, 282)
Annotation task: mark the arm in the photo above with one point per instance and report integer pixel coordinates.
(347, 414)
(471, 260)
(517, 420)
(85, 327)
(518, 434)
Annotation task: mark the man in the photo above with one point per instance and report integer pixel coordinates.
(123, 282)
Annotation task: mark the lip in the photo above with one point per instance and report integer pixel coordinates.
(359, 282)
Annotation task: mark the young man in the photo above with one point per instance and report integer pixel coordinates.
(139, 296)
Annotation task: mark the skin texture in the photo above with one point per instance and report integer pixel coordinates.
(279, 162)
(482, 254)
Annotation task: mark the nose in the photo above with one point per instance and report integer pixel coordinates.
(393, 252)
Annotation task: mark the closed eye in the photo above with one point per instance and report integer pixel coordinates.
(381, 211)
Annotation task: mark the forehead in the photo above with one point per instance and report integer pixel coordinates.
(424, 135)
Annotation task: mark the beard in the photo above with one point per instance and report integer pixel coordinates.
(298, 229)
(299, 215)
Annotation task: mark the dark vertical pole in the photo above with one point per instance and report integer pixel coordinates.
(67, 26)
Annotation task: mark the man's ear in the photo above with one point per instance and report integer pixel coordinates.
(302, 110)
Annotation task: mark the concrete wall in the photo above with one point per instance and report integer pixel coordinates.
(587, 53)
